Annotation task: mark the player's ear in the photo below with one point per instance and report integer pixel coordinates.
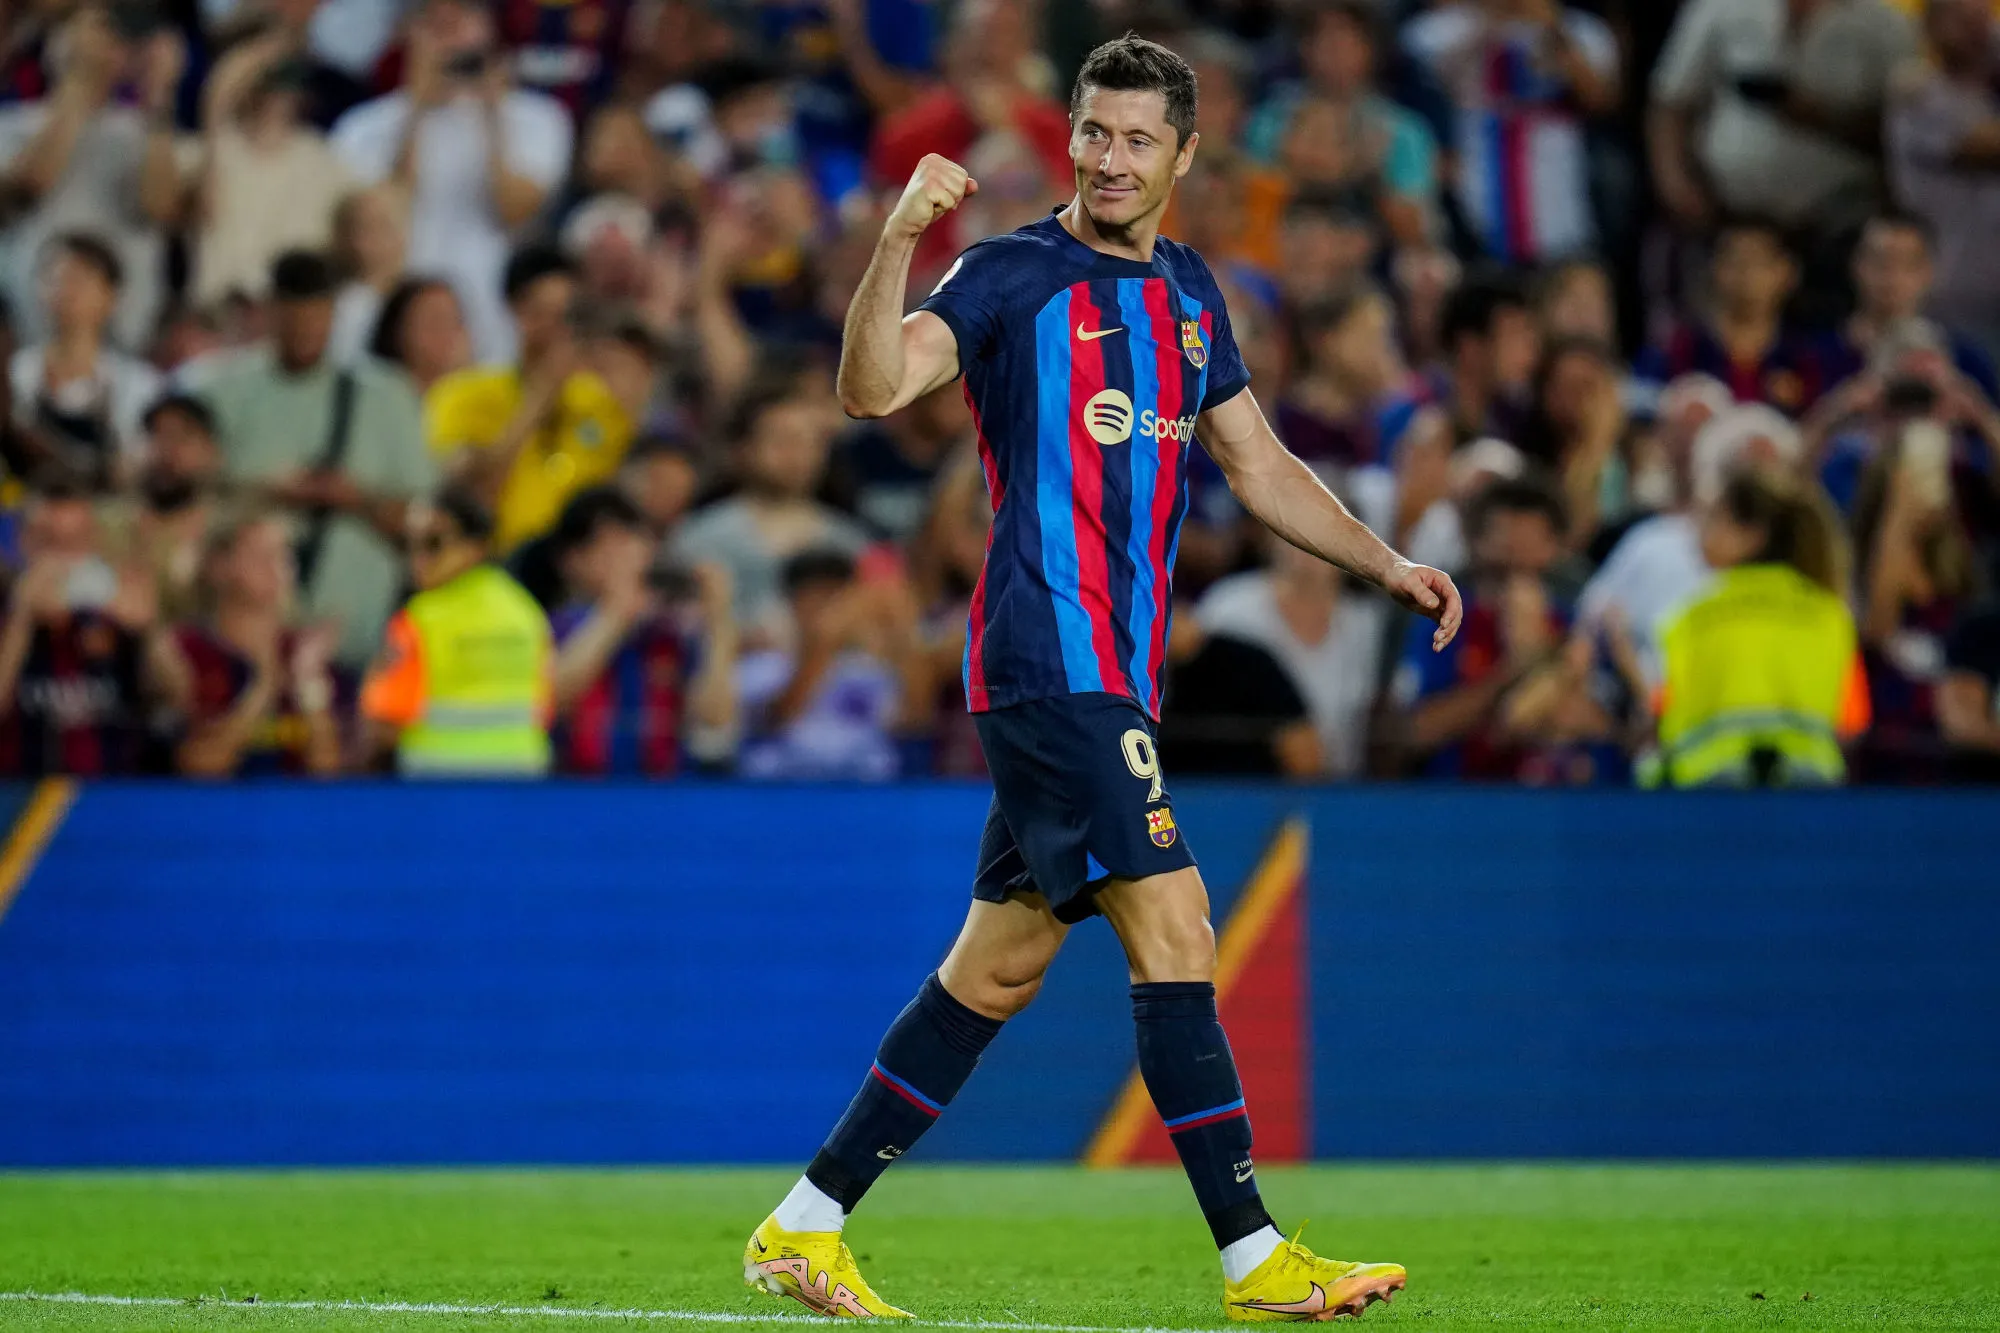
(1185, 157)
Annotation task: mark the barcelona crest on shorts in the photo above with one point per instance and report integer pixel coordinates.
(1197, 356)
(1160, 827)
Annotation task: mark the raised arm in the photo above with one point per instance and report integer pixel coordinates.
(888, 361)
(1286, 497)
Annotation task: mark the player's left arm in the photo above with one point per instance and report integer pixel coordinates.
(1286, 497)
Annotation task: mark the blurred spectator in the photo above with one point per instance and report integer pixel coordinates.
(264, 692)
(178, 487)
(525, 439)
(1574, 299)
(830, 707)
(1916, 576)
(1943, 136)
(1657, 564)
(269, 181)
(661, 476)
(1526, 75)
(1578, 430)
(1894, 277)
(1353, 398)
(1467, 718)
(370, 236)
(1741, 339)
(1232, 709)
(462, 687)
(421, 329)
(340, 448)
(477, 155)
(641, 685)
(1774, 108)
(1968, 700)
(994, 82)
(781, 438)
(568, 49)
(81, 161)
(1323, 630)
(890, 467)
(1334, 129)
(1762, 680)
(84, 658)
(1491, 346)
(77, 398)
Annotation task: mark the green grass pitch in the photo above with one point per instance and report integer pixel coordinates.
(1568, 1247)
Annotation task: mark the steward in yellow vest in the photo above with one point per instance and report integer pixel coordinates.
(464, 681)
(1761, 679)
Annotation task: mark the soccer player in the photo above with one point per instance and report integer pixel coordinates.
(1094, 351)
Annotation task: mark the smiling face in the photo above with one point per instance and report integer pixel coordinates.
(1127, 157)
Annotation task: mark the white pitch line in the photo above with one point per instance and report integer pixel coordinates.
(538, 1312)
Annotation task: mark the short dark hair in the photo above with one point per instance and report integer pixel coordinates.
(1901, 219)
(1333, 310)
(302, 275)
(1470, 311)
(1131, 64)
(818, 565)
(1363, 14)
(1752, 224)
(93, 252)
(1526, 494)
(530, 264)
(385, 343)
(467, 512)
(185, 404)
(770, 388)
(591, 510)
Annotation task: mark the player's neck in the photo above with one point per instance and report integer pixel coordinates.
(1133, 241)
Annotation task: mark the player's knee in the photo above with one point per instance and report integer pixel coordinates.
(1175, 949)
(999, 989)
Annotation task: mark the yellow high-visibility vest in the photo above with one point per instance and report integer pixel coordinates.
(486, 654)
(1760, 670)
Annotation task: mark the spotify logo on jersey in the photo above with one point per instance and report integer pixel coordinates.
(1108, 416)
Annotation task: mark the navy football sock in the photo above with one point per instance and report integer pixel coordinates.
(925, 1058)
(1185, 1060)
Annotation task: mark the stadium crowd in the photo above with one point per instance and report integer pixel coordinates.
(1612, 309)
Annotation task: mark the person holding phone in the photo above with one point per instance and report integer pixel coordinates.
(477, 154)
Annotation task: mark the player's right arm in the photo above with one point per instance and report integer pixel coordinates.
(887, 360)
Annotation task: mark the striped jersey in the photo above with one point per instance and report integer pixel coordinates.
(1085, 373)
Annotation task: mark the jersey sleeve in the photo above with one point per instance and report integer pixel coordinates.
(968, 299)
(1227, 375)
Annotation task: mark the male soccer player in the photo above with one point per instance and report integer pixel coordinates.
(1094, 351)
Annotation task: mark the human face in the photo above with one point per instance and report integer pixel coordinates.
(301, 328)
(258, 570)
(541, 313)
(1339, 55)
(438, 551)
(1518, 542)
(1572, 386)
(614, 554)
(617, 152)
(1581, 306)
(59, 529)
(79, 296)
(1753, 274)
(1892, 272)
(662, 485)
(374, 233)
(181, 448)
(1517, 346)
(434, 342)
(1125, 157)
(786, 453)
(1361, 350)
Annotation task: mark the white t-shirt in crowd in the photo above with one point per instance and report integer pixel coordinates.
(1654, 568)
(355, 311)
(1337, 677)
(99, 194)
(1757, 161)
(844, 732)
(121, 391)
(454, 231)
(265, 202)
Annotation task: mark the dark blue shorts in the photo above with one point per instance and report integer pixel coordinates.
(1077, 800)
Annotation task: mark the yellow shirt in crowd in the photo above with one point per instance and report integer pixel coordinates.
(581, 445)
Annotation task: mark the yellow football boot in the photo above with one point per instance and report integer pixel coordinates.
(1296, 1285)
(816, 1269)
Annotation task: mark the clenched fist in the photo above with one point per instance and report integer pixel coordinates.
(936, 187)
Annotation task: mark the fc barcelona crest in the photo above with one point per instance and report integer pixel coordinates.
(1160, 827)
(1197, 356)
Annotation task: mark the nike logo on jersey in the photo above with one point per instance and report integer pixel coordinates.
(1092, 336)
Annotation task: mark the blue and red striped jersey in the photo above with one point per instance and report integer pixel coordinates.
(1085, 373)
